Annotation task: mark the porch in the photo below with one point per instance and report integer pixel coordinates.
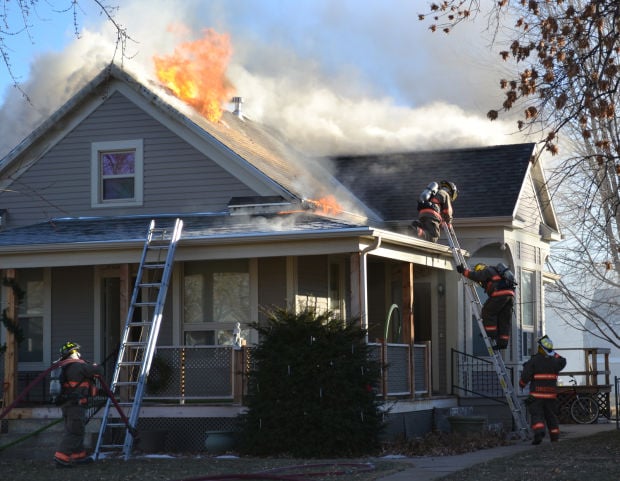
(217, 375)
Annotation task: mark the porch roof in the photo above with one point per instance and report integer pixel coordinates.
(109, 240)
(97, 230)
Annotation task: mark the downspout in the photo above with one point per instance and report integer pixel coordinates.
(364, 283)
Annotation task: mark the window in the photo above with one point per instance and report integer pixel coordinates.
(216, 295)
(528, 298)
(528, 310)
(33, 353)
(117, 169)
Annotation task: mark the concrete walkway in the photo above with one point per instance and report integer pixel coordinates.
(426, 468)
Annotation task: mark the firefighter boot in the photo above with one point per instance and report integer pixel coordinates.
(538, 437)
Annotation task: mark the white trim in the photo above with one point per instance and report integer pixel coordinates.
(96, 148)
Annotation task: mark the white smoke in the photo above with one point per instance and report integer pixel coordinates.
(334, 77)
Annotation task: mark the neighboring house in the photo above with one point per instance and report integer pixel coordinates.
(263, 227)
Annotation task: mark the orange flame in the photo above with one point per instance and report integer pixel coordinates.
(196, 73)
(327, 205)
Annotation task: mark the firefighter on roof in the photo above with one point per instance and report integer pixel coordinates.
(434, 207)
(497, 309)
(541, 372)
(77, 380)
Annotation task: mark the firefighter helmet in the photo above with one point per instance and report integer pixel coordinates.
(480, 267)
(545, 344)
(449, 187)
(69, 348)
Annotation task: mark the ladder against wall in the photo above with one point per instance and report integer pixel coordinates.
(139, 340)
(516, 408)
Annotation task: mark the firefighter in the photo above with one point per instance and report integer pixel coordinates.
(541, 372)
(434, 207)
(497, 309)
(78, 384)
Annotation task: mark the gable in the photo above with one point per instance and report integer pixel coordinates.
(177, 177)
(529, 210)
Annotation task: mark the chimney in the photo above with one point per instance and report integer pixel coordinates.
(237, 101)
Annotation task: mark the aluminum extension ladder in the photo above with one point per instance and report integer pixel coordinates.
(139, 340)
(514, 403)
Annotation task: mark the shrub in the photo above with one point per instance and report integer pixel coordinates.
(311, 392)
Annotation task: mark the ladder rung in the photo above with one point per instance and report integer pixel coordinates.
(116, 425)
(130, 363)
(160, 240)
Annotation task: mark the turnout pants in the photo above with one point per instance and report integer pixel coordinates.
(71, 446)
(497, 318)
(543, 411)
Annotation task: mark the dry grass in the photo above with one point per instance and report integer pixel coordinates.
(591, 458)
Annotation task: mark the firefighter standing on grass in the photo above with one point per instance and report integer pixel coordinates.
(541, 372)
(497, 309)
(434, 207)
(77, 380)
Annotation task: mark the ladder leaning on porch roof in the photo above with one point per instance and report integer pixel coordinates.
(139, 339)
(514, 403)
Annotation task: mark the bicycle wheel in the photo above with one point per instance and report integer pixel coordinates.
(584, 410)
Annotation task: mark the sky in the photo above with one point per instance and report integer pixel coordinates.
(345, 76)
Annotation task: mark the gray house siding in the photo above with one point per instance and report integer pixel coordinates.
(177, 178)
(271, 284)
(312, 281)
(529, 207)
(72, 308)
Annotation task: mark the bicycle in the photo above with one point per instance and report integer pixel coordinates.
(583, 408)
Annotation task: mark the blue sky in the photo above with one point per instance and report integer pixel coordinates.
(332, 75)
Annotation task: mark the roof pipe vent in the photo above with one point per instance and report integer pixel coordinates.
(237, 101)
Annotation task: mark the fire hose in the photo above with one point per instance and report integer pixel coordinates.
(39, 378)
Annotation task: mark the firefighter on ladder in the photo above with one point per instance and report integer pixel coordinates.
(434, 207)
(77, 380)
(497, 309)
(541, 372)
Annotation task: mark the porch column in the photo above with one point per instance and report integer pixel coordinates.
(9, 388)
(408, 299)
(125, 293)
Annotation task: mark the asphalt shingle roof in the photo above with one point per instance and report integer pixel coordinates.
(488, 179)
(195, 226)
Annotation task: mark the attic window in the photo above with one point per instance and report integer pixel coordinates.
(116, 173)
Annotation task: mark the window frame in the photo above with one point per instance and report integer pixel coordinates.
(217, 326)
(24, 366)
(99, 148)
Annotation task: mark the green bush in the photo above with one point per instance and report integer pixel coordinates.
(312, 391)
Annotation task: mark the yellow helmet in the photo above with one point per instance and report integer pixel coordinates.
(545, 345)
(69, 348)
(450, 188)
(480, 267)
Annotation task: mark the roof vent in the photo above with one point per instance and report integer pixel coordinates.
(237, 101)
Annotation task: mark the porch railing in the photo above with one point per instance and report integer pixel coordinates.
(183, 374)
(476, 377)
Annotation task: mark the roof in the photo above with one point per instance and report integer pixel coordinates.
(248, 146)
(489, 179)
(96, 230)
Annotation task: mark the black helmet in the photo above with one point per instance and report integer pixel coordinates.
(450, 187)
(69, 348)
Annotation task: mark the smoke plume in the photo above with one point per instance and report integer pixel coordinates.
(332, 77)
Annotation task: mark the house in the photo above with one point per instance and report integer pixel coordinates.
(263, 226)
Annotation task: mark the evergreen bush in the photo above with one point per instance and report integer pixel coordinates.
(312, 389)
